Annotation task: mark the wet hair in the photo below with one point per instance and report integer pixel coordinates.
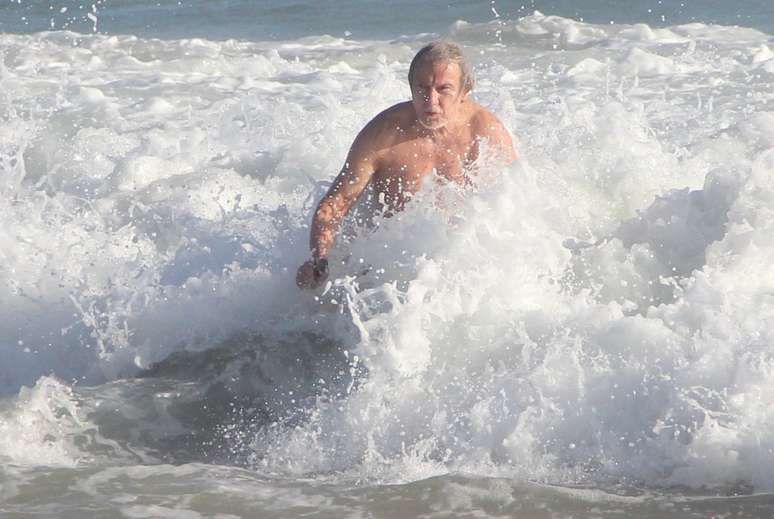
(443, 51)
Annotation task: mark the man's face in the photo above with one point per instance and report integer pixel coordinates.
(436, 93)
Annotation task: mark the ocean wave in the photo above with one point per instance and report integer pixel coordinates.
(597, 313)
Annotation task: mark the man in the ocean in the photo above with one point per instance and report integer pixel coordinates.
(438, 132)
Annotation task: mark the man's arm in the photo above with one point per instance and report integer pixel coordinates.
(334, 207)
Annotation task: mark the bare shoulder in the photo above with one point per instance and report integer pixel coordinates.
(488, 126)
(385, 127)
(377, 136)
(485, 122)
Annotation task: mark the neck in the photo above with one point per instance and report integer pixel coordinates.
(436, 133)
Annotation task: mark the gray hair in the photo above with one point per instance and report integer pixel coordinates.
(443, 51)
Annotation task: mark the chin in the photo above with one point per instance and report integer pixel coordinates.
(431, 124)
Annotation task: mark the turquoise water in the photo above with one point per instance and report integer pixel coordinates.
(273, 20)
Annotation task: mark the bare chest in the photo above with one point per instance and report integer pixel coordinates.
(405, 166)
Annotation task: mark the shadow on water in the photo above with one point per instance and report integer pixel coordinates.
(207, 406)
(645, 260)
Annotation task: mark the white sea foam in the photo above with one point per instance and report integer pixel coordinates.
(39, 425)
(598, 312)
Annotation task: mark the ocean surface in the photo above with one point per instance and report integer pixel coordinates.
(587, 333)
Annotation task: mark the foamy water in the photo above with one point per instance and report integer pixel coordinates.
(588, 332)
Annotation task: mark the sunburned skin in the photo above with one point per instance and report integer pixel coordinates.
(413, 154)
(439, 132)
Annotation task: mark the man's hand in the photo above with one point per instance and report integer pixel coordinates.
(312, 274)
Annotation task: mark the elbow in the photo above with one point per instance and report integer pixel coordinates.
(326, 214)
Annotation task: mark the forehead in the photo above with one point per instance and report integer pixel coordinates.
(438, 72)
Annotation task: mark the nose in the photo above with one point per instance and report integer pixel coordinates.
(431, 97)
